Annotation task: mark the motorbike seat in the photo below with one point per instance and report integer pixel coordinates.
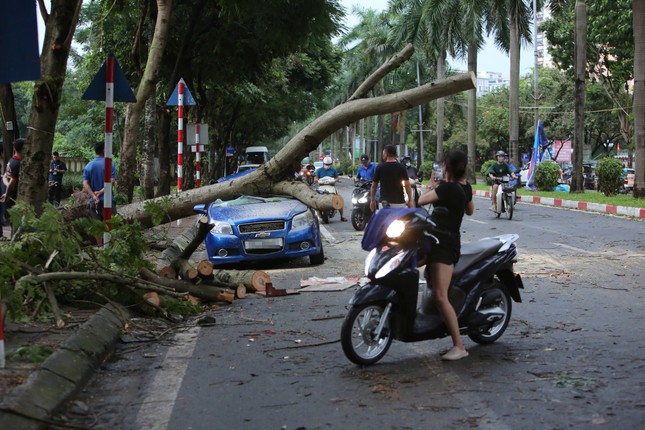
(473, 252)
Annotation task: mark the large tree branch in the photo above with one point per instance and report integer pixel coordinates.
(392, 64)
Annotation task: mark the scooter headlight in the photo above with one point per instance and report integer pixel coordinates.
(354, 200)
(368, 261)
(390, 265)
(395, 229)
(362, 199)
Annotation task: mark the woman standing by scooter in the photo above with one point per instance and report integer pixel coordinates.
(455, 194)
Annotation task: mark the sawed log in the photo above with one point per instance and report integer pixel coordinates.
(203, 291)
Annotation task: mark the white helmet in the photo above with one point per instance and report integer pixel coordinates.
(327, 160)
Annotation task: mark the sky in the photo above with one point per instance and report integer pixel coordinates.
(490, 59)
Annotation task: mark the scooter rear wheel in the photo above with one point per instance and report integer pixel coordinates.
(357, 335)
(495, 299)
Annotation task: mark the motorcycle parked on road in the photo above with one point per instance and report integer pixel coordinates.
(387, 307)
(327, 185)
(505, 197)
(361, 212)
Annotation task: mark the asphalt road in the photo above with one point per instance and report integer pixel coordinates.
(572, 357)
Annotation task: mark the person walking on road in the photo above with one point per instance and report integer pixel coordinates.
(57, 169)
(94, 182)
(454, 194)
(11, 176)
(393, 179)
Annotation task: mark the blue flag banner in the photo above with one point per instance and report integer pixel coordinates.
(540, 144)
(19, 56)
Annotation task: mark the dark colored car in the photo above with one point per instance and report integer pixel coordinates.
(253, 228)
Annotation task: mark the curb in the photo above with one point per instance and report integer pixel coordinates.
(574, 204)
(64, 373)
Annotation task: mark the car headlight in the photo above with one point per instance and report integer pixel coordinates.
(395, 229)
(302, 220)
(222, 227)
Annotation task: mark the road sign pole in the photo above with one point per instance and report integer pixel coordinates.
(180, 134)
(197, 158)
(107, 167)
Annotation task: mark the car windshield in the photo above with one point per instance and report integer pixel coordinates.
(249, 200)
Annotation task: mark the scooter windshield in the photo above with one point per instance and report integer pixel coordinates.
(378, 224)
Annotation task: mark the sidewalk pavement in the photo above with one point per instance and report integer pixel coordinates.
(574, 204)
(65, 372)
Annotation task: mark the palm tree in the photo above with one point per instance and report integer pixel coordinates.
(638, 12)
(577, 182)
(519, 19)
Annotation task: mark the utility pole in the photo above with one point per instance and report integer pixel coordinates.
(421, 155)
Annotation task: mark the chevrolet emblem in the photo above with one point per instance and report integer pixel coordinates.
(262, 235)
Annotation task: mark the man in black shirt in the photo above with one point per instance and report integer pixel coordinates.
(57, 168)
(393, 178)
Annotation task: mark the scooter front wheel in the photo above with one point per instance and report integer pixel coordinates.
(509, 206)
(358, 335)
(358, 220)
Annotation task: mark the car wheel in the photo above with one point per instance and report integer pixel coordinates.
(319, 258)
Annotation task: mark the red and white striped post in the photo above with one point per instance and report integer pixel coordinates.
(107, 168)
(197, 157)
(2, 362)
(180, 134)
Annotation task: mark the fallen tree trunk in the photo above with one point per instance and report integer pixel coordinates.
(253, 280)
(269, 178)
(203, 291)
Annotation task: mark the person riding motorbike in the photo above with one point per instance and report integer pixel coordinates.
(328, 170)
(497, 170)
(366, 169)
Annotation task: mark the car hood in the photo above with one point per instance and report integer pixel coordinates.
(235, 213)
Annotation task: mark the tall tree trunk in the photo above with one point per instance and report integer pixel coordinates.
(144, 91)
(441, 106)
(8, 111)
(472, 116)
(163, 145)
(577, 181)
(150, 134)
(514, 93)
(638, 12)
(60, 25)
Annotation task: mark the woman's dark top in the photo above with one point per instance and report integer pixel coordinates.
(454, 197)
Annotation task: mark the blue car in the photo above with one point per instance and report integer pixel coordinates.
(253, 228)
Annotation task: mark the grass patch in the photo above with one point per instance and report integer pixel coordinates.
(587, 196)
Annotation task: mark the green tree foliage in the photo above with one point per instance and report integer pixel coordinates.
(609, 171)
(546, 175)
(485, 166)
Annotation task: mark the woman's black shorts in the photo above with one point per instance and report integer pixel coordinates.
(443, 254)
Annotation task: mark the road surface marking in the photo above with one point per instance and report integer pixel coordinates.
(161, 394)
(326, 234)
(573, 248)
(477, 221)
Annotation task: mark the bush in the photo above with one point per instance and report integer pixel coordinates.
(483, 170)
(546, 175)
(609, 172)
(426, 168)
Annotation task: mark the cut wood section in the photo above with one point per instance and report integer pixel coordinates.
(152, 298)
(203, 291)
(240, 291)
(253, 280)
(205, 268)
(186, 271)
(168, 272)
